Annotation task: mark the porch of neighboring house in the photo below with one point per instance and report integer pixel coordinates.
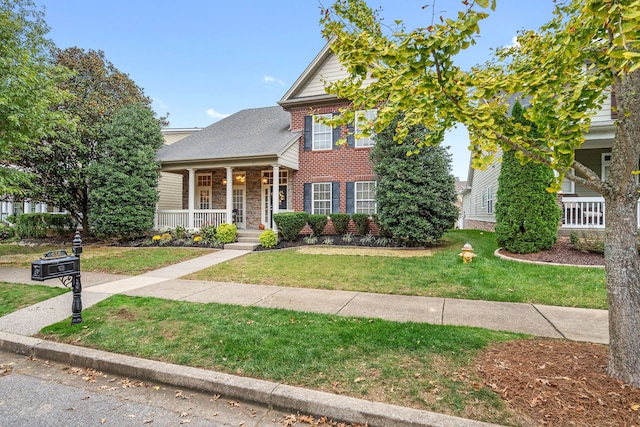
(245, 196)
(585, 213)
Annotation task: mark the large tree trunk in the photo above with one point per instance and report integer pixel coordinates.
(623, 289)
(621, 238)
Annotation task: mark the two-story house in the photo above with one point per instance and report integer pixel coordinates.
(582, 207)
(258, 162)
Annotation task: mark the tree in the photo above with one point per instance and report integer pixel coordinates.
(527, 215)
(565, 69)
(415, 194)
(61, 161)
(124, 178)
(28, 89)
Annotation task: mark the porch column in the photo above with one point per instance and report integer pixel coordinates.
(10, 210)
(27, 206)
(192, 199)
(229, 195)
(275, 194)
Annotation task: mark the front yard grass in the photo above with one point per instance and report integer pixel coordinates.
(15, 296)
(440, 275)
(104, 259)
(415, 365)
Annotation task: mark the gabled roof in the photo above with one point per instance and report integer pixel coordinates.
(312, 72)
(251, 133)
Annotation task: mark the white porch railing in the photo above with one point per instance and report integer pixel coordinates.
(180, 217)
(583, 212)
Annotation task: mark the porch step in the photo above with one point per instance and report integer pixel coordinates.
(247, 240)
(242, 246)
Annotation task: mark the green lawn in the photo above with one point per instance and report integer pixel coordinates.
(415, 365)
(15, 296)
(105, 259)
(441, 275)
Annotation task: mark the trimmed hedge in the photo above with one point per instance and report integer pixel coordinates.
(361, 222)
(290, 224)
(317, 222)
(35, 225)
(340, 222)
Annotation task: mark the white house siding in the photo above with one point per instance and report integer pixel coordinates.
(170, 191)
(484, 187)
(290, 156)
(330, 71)
(604, 114)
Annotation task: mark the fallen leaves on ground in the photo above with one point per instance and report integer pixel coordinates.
(558, 383)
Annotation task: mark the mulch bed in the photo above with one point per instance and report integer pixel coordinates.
(559, 383)
(561, 253)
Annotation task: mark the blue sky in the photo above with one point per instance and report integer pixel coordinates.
(200, 60)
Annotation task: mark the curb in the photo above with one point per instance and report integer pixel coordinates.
(270, 394)
(526, 261)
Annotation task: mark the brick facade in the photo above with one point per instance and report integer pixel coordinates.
(337, 165)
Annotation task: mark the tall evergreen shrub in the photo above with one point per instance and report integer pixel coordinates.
(415, 193)
(527, 215)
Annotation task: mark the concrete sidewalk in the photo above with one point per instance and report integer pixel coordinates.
(541, 320)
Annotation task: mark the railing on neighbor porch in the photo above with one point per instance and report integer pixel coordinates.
(180, 217)
(583, 212)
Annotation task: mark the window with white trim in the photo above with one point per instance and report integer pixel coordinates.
(490, 199)
(363, 121)
(322, 135)
(365, 197)
(606, 163)
(321, 198)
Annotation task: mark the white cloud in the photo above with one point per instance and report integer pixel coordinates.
(158, 105)
(514, 42)
(216, 115)
(272, 80)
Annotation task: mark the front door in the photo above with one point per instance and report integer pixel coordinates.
(239, 206)
(267, 203)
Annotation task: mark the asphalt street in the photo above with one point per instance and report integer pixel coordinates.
(35, 393)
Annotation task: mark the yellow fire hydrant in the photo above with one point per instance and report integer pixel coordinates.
(467, 253)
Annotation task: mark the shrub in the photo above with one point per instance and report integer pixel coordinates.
(226, 233)
(340, 222)
(268, 239)
(587, 241)
(6, 232)
(208, 232)
(361, 222)
(31, 225)
(290, 224)
(180, 232)
(415, 194)
(317, 222)
(11, 219)
(527, 215)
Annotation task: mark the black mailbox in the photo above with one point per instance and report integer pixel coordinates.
(55, 264)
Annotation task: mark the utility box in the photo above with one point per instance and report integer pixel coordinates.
(55, 264)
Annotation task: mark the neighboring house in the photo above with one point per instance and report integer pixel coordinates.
(582, 208)
(10, 206)
(258, 162)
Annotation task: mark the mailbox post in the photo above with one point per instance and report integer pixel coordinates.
(65, 267)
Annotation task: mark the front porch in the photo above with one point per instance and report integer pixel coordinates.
(247, 197)
(585, 212)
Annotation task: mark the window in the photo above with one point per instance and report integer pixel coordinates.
(606, 162)
(321, 198)
(363, 119)
(490, 199)
(322, 135)
(203, 191)
(365, 197)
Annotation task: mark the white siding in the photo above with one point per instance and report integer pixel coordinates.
(170, 189)
(330, 71)
(290, 157)
(604, 113)
(475, 205)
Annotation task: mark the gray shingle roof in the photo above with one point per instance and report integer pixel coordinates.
(247, 133)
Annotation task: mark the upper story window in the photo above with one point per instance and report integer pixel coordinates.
(362, 122)
(322, 134)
